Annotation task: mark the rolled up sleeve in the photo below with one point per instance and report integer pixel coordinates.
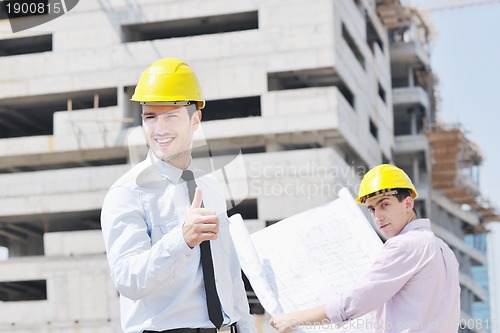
(390, 272)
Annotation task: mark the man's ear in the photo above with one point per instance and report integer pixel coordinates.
(196, 118)
(409, 203)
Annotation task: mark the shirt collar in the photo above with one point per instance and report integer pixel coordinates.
(153, 172)
(164, 169)
(416, 224)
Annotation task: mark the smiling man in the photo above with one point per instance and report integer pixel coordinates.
(413, 284)
(165, 225)
(169, 131)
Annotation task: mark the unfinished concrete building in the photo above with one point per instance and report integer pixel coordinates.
(302, 88)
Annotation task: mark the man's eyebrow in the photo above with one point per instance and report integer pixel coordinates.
(378, 202)
(152, 113)
(175, 111)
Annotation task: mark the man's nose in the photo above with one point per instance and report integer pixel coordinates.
(162, 123)
(378, 216)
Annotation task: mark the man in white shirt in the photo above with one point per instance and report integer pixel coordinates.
(168, 245)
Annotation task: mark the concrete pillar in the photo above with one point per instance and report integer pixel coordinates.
(15, 249)
(273, 146)
(28, 246)
(413, 121)
(130, 110)
(416, 171)
(411, 77)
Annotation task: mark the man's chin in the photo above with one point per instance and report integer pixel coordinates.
(386, 234)
(162, 155)
(168, 158)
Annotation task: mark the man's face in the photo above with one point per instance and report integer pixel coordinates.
(390, 215)
(169, 131)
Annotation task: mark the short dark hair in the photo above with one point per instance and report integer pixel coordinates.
(402, 194)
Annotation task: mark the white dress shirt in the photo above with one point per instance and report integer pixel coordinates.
(413, 285)
(157, 274)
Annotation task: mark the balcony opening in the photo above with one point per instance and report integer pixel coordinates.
(21, 239)
(372, 36)
(66, 160)
(132, 110)
(300, 146)
(253, 150)
(271, 222)
(381, 92)
(231, 108)
(15, 291)
(33, 115)
(403, 76)
(420, 208)
(25, 45)
(23, 235)
(306, 78)
(373, 129)
(353, 46)
(409, 120)
(191, 26)
(247, 209)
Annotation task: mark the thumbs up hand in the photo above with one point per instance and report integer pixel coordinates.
(201, 223)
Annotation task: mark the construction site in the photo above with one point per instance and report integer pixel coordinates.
(311, 92)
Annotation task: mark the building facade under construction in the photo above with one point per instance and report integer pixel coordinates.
(312, 93)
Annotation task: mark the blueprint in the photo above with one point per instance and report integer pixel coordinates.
(301, 261)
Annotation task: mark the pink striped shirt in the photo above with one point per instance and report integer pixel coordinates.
(413, 286)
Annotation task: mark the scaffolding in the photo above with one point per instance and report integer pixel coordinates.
(455, 170)
(407, 21)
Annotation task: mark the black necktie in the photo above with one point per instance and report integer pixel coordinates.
(207, 266)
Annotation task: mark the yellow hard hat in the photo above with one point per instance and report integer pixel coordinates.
(383, 180)
(168, 80)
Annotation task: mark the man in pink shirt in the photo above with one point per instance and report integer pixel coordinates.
(413, 284)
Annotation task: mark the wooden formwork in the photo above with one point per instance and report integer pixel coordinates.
(453, 158)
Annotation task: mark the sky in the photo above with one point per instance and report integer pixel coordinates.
(465, 54)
